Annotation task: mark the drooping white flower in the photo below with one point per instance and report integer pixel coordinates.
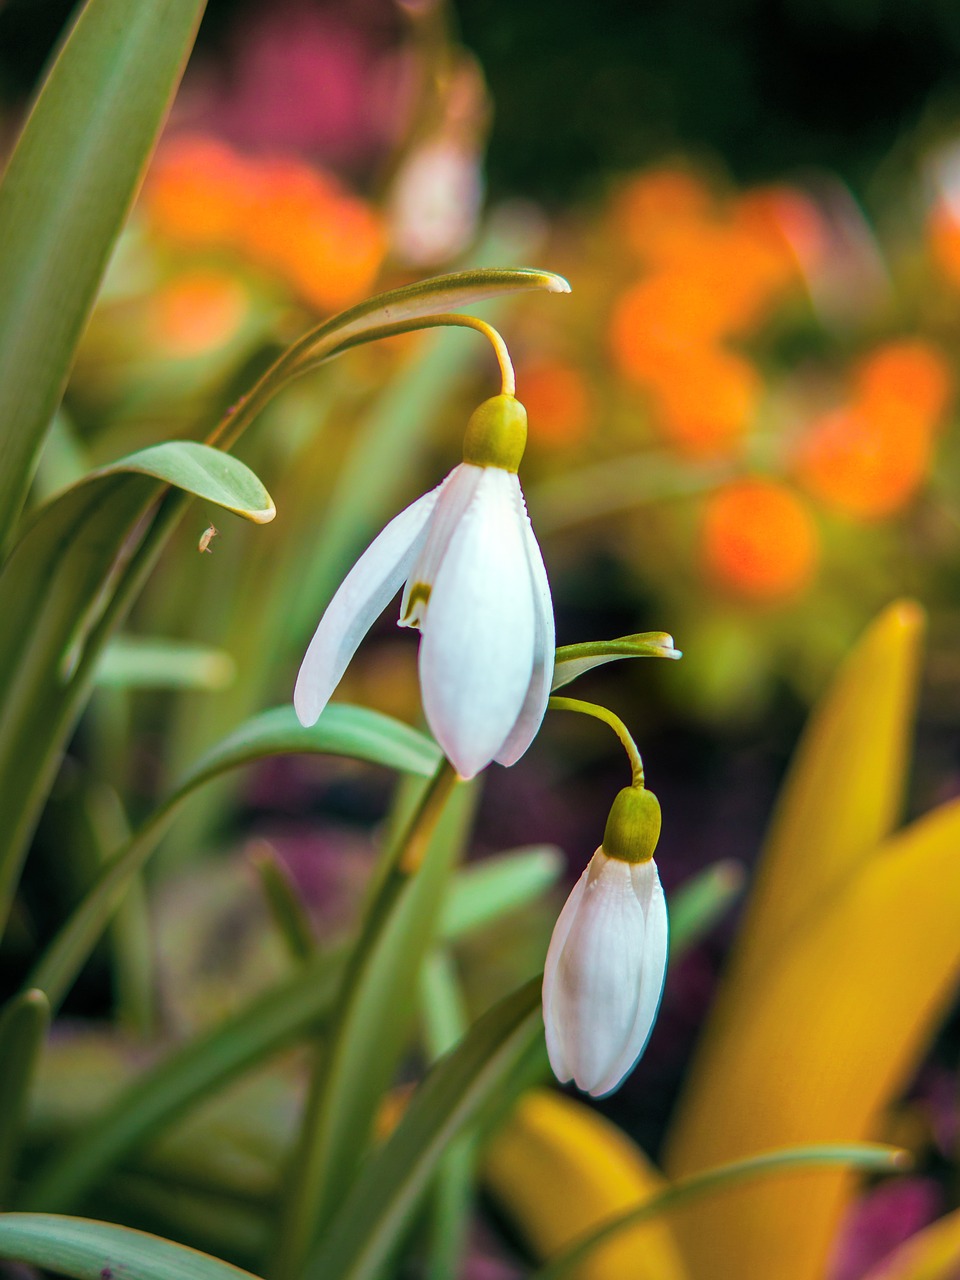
(605, 971)
(476, 588)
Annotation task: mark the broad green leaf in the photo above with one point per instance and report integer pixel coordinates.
(54, 591)
(375, 1013)
(65, 194)
(483, 891)
(862, 1156)
(341, 730)
(820, 1043)
(150, 662)
(558, 1169)
(574, 659)
(372, 1218)
(23, 1029)
(697, 905)
(88, 1250)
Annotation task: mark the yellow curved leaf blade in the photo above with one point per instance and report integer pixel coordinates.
(844, 791)
(815, 1047)
(558, 1169)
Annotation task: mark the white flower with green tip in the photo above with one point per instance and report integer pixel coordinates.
(606, 963)
(476, 588)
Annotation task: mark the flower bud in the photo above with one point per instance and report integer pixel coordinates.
(605, 971)
(496, 434)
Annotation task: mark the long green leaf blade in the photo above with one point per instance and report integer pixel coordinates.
(65, 195)
(23, 1029)
(88, 1250)
(377, 1209)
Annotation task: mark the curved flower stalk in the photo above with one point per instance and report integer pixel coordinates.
(607, 960)
(475, 587)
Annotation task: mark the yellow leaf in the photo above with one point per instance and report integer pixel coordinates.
(844, 790)
(558, 1169)
(815, 1046)
(932, 1254)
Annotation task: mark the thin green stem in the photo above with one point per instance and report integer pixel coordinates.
(616, 724)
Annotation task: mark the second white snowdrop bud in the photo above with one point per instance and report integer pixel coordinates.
(607, 960)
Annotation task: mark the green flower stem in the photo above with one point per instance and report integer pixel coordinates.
(869, 1157)
(309, 1191)
(615, 723)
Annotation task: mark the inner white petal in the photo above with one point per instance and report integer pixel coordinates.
(476, 657)
(457, 492)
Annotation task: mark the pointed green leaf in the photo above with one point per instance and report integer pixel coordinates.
(64, 197)
(88, 1250)
(485, 890)
(374, 1215)
(23, 1029)
(574, 659)
(202, 471)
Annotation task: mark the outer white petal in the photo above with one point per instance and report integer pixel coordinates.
(555, 1048)
(361, 597)
(596, 987)
(457, 492)
(476, 657)
(545, 643)
(653, 972)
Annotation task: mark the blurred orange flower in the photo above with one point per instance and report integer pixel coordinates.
(196, 312)
(869, 458)
(759, 541)
(557, 400)
(705, 399)
(280, 215)
(943, 229)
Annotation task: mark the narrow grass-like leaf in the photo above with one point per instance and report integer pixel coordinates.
(697, 905)
(574, 659)
(866, 1157)
(88, 1250)
(23, 1029)
(375, 1013)
(66, 192)
(284, 903)
(150, 662)
(341, 730)
(484, 891)
(371, 1219)
(54, 589)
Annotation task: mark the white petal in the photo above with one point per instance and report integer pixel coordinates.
(653, 972)
(555, 1049)
(476, 657)
(545, 643)
(598, 974)
(360, 599)
(458, 491)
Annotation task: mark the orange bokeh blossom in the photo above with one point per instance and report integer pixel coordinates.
(279, 215)
(868, 457)
(712, 270)
(759, 541)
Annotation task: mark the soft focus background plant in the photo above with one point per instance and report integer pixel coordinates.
(742, 430)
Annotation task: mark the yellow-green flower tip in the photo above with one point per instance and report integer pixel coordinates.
(496, 434)
(633, 827)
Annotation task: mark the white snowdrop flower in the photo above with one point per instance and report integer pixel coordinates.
(607, 960)
(477, 590)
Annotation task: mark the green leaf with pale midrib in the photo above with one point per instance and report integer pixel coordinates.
(63, 200)
(574, 660)
(89, 1250)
